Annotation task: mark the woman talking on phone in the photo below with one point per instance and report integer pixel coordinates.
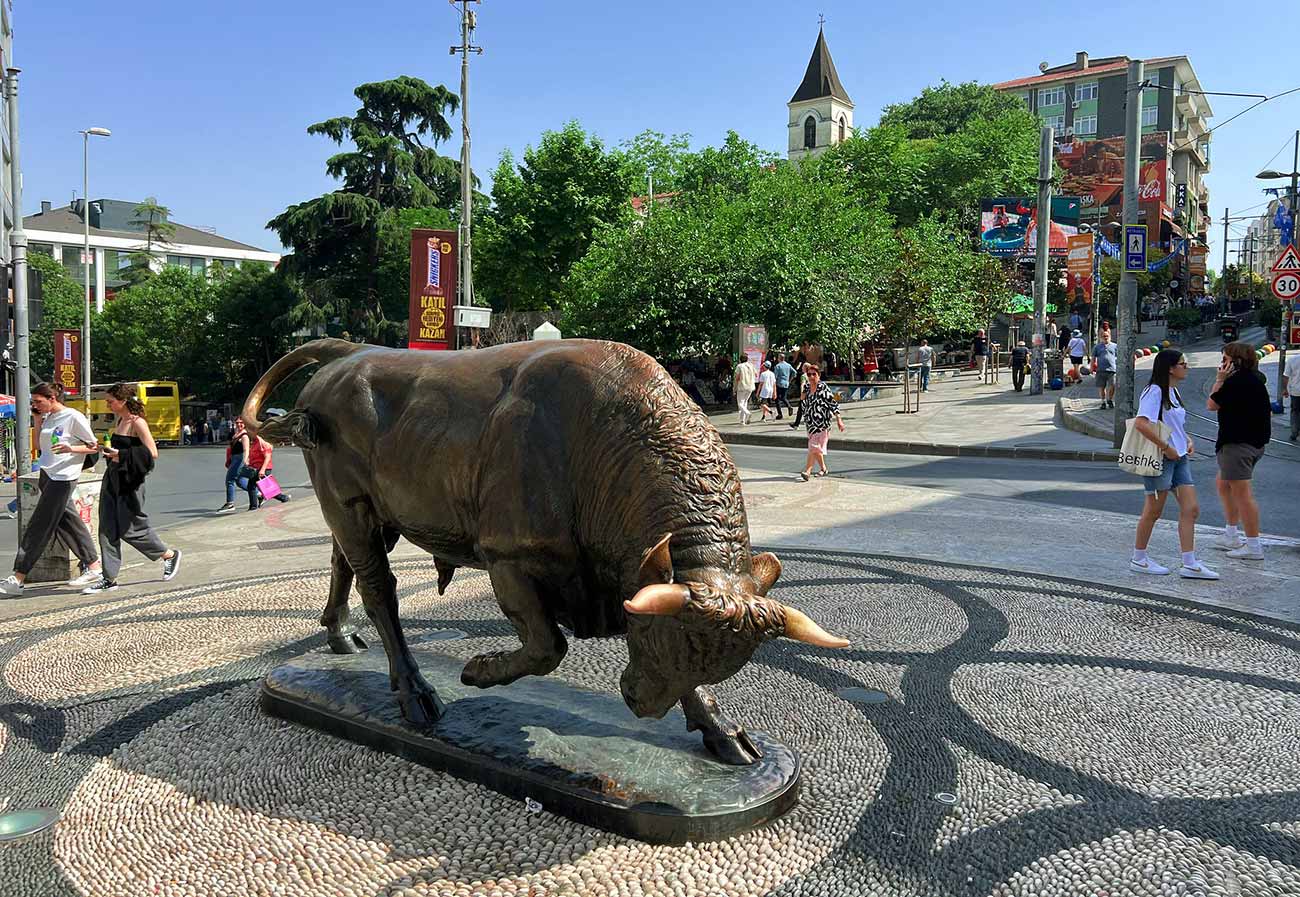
(1245, 424)
(131, 455)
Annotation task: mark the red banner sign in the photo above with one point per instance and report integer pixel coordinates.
(67, 361)
(434, 271)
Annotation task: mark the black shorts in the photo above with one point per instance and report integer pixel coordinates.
(1076, 359)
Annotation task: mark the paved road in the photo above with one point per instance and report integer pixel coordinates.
(186, 484)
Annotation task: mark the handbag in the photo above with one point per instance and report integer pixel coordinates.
(268, 487)
(1140, 456)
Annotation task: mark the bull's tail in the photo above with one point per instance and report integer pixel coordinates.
(296, 427)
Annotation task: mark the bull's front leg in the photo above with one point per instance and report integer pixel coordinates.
(343, 639)
(365, 543)
(544, 644)
(725, 739)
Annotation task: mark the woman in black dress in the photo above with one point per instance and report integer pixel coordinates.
(131, 456)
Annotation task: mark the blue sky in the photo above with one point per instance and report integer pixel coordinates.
(208, 101)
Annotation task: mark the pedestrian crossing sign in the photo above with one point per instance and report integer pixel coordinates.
(1288, 261)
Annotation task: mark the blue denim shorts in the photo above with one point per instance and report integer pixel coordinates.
(1176, 473)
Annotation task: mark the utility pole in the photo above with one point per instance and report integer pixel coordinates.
(468, 21)
(1127, 311)
(1225, 304)
(1044, 239)
(1288, 310)
(22, 336)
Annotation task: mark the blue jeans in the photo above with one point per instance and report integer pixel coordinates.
(233, 478)
(925, 376)
(1176, 473)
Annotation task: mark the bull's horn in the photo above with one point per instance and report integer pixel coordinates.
(800, 628)
(664, 599)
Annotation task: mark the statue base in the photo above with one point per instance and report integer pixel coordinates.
(579, 753)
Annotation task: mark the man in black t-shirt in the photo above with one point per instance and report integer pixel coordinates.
(980, 349)
(1019, 363)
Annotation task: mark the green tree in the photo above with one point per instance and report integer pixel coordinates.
(255, 317)
(545, 213)
(652, 151)
(62, 310)
(337, 238)
(153, 218)
(948, 109)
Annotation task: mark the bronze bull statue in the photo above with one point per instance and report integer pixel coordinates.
(597, 496)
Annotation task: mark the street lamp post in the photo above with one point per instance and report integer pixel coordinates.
(1288, 312)
(85, 258)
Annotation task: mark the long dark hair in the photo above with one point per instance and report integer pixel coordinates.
(127, 396)
(1164, 363)
(49, 391)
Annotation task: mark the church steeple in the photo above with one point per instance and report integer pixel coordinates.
(821, 79)
(821, 113)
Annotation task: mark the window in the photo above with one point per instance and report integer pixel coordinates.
(1149, 115)
(1087, 91)
(809, 132)
(191, 263)
(1085, 124)
(72, 264)
(42, 248)
(842, 128)
(1051, 96)
(1056, 122)
(1028, 97)
(160, 392)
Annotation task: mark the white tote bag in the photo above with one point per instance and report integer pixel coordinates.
(1139, 455)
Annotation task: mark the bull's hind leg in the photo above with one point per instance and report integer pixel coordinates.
(726, 740)
(365, 544)
(336, 617)
(543, 643)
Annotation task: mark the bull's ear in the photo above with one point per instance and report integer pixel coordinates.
(656, 564)
(766, 571)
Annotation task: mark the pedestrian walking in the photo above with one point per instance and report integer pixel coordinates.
(1291, 388)
(1240, 396)
(1104, 353)
(1076, 322)
(259, 467)
(784, 372)
(186, 433)
(1076, 350)
(925, 355)
(1051, 333)
(1160, 402)
(980, 350)
(131, 455)
(1019, 364)
(821, 408)
(766, 390)
(744, 380)
(1063, 341)
(65, 440)
(236, 453)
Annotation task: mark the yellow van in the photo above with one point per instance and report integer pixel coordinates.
(162, 408)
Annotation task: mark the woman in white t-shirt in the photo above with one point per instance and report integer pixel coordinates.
(766, 390)
(1160, 402)
(66, 439)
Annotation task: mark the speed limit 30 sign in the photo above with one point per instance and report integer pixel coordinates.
(1286, 286)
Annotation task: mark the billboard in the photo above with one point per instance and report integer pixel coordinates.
(1078, 269)
(1093, 170)
(434, 267)
(1009, 225)
(67, 361)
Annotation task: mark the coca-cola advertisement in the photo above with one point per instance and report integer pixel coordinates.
(1094, 170)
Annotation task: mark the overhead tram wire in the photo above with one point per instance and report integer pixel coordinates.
(1237, 115)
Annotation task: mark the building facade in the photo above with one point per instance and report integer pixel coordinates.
(821, 113)
(1263, 240)
(1084, 101)
(116, 232)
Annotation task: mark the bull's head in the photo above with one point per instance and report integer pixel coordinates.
(685, 634)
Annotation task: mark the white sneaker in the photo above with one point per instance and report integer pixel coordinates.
(1148, 566)
(11, 587)
(1244, 553)
(1223, 543)
(87, 578)
(1200, 571)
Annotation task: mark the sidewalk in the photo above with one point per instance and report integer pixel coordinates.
(831, 514)
(959, 415)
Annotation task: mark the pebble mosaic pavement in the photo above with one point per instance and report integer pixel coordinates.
(1096, 742)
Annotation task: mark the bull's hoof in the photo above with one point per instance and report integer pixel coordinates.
(484, 670)
(420, 704)
(347, 643)
(737, 750)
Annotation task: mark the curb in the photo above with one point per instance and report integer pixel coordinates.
(779, 440)
(1079, 422)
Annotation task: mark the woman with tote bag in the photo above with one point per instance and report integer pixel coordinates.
(1160, 403)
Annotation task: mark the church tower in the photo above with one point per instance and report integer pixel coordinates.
(821, 113)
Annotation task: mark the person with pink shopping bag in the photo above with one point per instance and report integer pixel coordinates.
(261, 483)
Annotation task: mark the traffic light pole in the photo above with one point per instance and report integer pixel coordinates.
(1127, 311)
(18, 240)
(1288, 312)
(1036, 363)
